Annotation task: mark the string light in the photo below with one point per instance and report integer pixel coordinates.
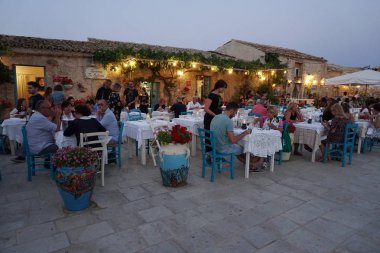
(194, 65)
(180, 73)
(230, 71)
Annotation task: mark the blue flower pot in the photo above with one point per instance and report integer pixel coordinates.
(75, 185)
(174, 167)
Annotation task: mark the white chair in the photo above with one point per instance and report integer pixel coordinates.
(100, 145)
(157, 124)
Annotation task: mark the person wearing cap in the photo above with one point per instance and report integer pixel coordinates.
(193, 104)
(178, 108)
(213, 105)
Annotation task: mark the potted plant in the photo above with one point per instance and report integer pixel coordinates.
(174, 155)
(75, 176)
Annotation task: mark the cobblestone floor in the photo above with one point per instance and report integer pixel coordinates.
(301, 207)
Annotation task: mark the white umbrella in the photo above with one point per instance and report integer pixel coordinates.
(368, 77)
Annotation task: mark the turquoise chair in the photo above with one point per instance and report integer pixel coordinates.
(217, 159)
(248, 107)
(114, 153)
(187, 113)
(340, 150)
(254, 114)
(32, 160)
(134, 115)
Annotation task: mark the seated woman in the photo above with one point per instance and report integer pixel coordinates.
(66, 111)
(293, 114)
(346, 109)
(21, 108)
(375, 120)
(336, 128)
(160, 106)
(364, 112)
(83, 124)
(327, 115)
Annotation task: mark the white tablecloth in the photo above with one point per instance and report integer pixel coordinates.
(261, 143)
(309, 134)
(316, 126)
(170, 115)
(192, 123)
(12, 128)
(124, 115)
(140, 130)
(362, 127)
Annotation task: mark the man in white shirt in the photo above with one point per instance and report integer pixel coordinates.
(106, 117)
(193, 104)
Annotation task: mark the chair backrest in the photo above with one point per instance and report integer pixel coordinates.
(97, 145)
(135, 115)
(165, 118)
(25, 142)
(135, 110)
(157, 126)
(207, 139)
(248, 107)
(254, 114)
(121, 129)
(350, 133)
(187, 113)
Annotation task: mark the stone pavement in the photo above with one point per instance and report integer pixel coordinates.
(301, 207)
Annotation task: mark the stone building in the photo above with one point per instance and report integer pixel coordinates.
(52, 61)
(305, 72)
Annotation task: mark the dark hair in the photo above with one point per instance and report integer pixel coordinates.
(220, 84)
(346, 107)
(58, 87)
(83, 109)
(39, 104)
(48, 91)
(70, 97)
(232, 106)
(345, 93)
(19, 103)
(377, 107)
(65, 104)
(34, 84)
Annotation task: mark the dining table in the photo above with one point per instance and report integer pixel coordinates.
(261, 143)
(140, 131)
(362, 130)
(310, 134)
(12, 129)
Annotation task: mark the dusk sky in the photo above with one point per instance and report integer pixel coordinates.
(345, 32)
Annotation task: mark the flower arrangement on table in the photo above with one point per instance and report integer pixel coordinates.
(177, 135)
(76, 167)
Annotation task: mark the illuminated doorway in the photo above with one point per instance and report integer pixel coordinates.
(25, 74)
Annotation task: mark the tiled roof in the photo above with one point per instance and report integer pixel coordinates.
(89, 46)
(291, 53)
(343, 69)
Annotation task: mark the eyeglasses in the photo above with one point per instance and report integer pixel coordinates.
(101, 104)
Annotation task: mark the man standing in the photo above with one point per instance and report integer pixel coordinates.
(41, 131)
(104, 92)
(35, 96)
(106, 117)
(131, 95)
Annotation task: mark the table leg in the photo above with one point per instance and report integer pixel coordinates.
(12, 145)
(315, 148)
(194, 145)
(247, 158)
(130, 147)
(143, 152)
(272, 163)
(359, 144)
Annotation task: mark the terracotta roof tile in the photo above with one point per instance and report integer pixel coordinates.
(291, 53)
(89, 46)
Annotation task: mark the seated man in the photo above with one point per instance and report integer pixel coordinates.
(160, 106)
(41, 131)
(106, 117)
(259, 108)
(193, 104)
(83, 124)
(178, 107)
(225, 140)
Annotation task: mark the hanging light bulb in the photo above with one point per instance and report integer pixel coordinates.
(194, 65)
(180, 73)
(272, 72)
(230, 71)
(175, 63)
(132, 63)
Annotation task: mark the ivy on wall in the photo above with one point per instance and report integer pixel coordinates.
(148, 58)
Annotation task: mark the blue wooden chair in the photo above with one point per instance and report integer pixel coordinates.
(187, 113)
(134, 115)
(3, 144)
(339, 150)
(217, 159)
(254, 114)
(114, 153)
(369, 143)
(32, 160)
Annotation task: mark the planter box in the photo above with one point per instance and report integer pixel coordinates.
(174, 164)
